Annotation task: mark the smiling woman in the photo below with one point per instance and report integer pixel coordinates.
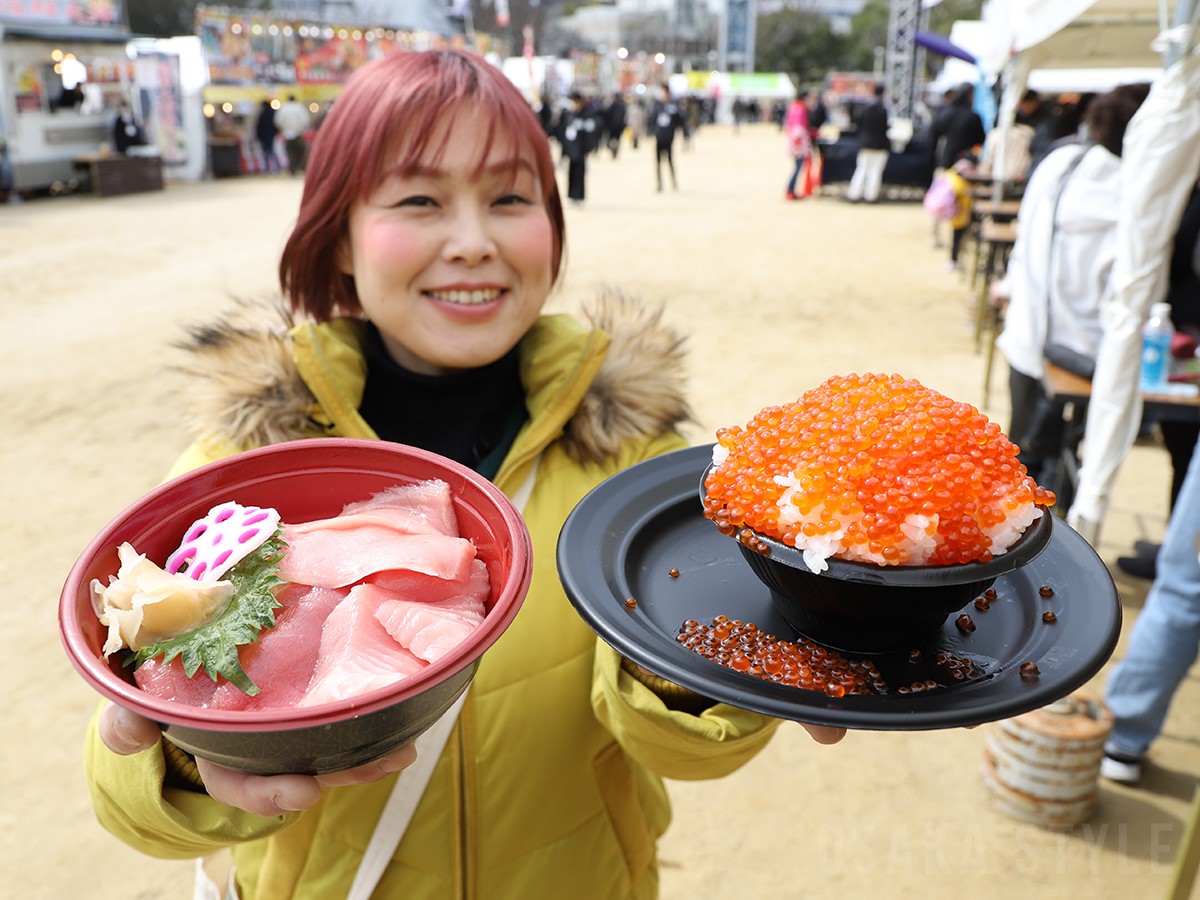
(429, 235)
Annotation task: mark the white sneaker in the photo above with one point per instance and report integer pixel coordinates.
(1125, 770)
(952, 266)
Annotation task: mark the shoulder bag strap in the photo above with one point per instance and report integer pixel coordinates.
(1062, 186)
(411, 783)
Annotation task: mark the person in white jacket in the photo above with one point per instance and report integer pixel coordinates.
(1059, 275)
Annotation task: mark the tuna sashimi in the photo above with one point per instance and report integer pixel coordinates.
(428, 588)
(168, 681)
(427, 501)
(336, 557)
(431, 629)
(357, 654)
(282, 662)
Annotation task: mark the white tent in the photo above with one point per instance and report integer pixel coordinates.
(1160, 164)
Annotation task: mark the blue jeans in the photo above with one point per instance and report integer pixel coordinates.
(1166, 635)
(796, 174)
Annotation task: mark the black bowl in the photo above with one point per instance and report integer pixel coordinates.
(864, 608)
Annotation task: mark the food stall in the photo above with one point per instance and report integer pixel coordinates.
(64, 71)
(257, 55)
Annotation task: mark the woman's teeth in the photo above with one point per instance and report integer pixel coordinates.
(468, 298)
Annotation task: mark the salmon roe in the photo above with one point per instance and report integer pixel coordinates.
(877, 467)
(744, 647)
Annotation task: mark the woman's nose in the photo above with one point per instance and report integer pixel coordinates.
(470, 239)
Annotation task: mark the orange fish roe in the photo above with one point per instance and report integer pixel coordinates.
(876, 468)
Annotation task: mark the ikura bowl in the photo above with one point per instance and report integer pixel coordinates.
(303, 480)
(865, 608)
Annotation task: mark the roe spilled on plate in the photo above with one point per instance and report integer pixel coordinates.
(874, 468)
(252, 613)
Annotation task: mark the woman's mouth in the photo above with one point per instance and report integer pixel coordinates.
(466, 298)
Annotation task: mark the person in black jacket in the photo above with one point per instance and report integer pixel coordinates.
(578, 135)
(614, 120)
(265, 131)
(873, 147)
(960, 126)
(665, 119)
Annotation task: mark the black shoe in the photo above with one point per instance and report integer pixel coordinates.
(1146, 548)
(1137, 566)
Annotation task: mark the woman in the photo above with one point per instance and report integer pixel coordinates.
(429, 236)
(799, 140)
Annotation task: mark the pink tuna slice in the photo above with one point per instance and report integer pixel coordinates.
(218, 542)
(168, 681)
(336, 557)
(357, 654)
(283, 659)
(432, 629)
(419, 586)
(422, 508)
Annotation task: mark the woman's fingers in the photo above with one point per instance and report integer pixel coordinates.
(263, 795)
(824, 734)
(372, 771)
(275, 795)
(126, 733)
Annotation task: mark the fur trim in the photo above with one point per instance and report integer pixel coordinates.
(639, 388)
(246, 390)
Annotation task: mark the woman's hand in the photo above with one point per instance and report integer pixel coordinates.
(824, 734)
(126, 733)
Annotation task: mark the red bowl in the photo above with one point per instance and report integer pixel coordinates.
(303, 480)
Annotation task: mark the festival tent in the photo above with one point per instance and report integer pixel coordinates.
(1160, 163)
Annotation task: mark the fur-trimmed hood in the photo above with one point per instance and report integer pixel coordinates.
(248, 390)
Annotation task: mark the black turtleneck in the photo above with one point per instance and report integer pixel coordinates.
(470, 417)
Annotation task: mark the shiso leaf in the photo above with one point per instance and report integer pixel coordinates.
(251, 608)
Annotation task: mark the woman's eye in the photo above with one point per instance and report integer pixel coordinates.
(417, 201)
(512, 200)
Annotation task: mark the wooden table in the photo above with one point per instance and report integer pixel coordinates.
(1060, 384)
(997, 211)
(996, 242)
(113, 174)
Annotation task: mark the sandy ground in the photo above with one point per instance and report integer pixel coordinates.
(776, 297)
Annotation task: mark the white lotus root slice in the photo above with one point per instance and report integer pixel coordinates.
(218, 542)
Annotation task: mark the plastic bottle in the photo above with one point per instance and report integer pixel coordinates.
(1156, 348)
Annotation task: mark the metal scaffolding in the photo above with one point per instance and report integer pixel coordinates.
(904, 61)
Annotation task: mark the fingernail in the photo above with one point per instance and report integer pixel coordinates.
(284, 804)
(390, 764)
(124, 738)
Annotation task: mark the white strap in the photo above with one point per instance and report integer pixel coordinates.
(402, 803)
(411, 783)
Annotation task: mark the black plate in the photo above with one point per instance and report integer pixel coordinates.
(625, 537)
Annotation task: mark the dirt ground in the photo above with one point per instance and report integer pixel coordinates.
(776, 297)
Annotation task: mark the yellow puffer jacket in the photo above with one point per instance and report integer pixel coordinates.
(550, 784)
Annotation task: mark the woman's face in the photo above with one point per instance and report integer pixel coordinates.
(452, 261)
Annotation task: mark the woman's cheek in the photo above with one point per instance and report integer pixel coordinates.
(390, 246)
(533, 242)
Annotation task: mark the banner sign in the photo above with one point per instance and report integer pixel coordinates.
(63, 12)
(248, 47)
(159, 82)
